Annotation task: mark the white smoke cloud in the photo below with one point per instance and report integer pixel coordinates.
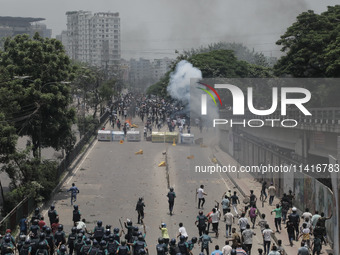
(183, 87)
(179, 87)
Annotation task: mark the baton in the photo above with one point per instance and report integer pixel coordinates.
(121, 226)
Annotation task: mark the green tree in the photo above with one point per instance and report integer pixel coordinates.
(42, 96)
(312, 45)
(215, 64)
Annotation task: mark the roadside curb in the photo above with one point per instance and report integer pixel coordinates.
(45, 206)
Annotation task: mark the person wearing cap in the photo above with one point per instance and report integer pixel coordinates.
(294, 217)
(271, 192)
(165, 234)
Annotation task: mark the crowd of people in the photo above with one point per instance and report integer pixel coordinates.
(39, 238)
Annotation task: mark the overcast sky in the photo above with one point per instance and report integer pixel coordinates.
(155, 28)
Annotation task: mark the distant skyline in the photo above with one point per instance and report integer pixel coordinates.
(156, 28)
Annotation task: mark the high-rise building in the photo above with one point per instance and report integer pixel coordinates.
(12, 26)
(93, 39)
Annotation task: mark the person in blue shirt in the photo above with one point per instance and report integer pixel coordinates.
(23, 224)
(74, 191)
(217, 251)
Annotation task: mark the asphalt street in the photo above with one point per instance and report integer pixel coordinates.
(111, 178)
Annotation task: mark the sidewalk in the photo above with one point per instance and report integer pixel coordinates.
(245, 182)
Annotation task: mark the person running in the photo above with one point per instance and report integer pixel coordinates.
(243, 222)
(271, 192)
(274, 251)
(278, 215)
(267, 233)
(201, 223)
(140, 210)
(200, 194)
(225, 204)
(182, 231)
(215, 217)
(253, 212)
(205, 239)
(171, 199)
(234, 202)
(74, 191)
(247, 238)
(226, 249)
(290, 231)
(263, 190)
(229, 220)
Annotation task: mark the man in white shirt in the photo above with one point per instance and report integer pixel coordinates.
(215, 217)
(271, 192)
(242, 222)
(267, 237)
(227, 248)
(200, 194)
(182, 231)
(81, 225)
(306, 214)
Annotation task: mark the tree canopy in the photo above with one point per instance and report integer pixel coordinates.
(35, 76)
(312, 45)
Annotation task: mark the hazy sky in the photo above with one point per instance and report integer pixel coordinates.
(155, 28)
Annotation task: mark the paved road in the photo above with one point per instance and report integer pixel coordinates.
(111, 178)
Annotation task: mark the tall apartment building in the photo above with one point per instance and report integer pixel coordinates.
(93, 39)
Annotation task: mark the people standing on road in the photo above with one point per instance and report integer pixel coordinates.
(76, 215)
(201, 223)
(200, 194)
(52, 214)
(165, 234)
(267, 235)
(234, 202)
(74, 191)
(271, 192)
(140, 210)
(98, 231)
(171, 199)
(278, 215)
